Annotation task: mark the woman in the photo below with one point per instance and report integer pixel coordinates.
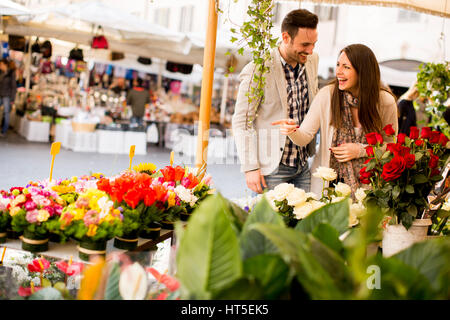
(7, 90)
(353, 105)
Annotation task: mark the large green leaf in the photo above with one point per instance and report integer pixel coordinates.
(112, 286)
(252, 242)
(432, 259)
(294, 247)
(328, 236)
(208, 257)
(241, 289)
(46, 294)
(271, 272)
(336, 214)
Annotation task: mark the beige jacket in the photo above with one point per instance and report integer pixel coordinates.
(262, 146)
(319, 117)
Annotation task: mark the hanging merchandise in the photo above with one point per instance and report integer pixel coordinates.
(46, 49)
(76, 54)
(129, 74)
(80, 66)
(46, 67)
(36, 47)
(16, 43)
(144, 60)
(99, 41)
(119, 72)
(5, 50)
(179, 67)
(109, 69)
(117, 55)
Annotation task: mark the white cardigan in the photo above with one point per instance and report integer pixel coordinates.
(319, 117)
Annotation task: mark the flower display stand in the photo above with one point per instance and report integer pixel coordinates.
(396, 238)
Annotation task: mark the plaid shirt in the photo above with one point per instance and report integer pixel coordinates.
(298, 102)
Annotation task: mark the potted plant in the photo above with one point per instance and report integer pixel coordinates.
(401, 176)
(92, 220)
(5, 218)
(32, 209)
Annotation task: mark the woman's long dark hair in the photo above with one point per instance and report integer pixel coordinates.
(366, 66)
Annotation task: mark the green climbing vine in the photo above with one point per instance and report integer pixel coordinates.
(255, 33)
(433, 83)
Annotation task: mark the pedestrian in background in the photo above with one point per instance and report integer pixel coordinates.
(8, 88)
(407, 114)
(137, 98)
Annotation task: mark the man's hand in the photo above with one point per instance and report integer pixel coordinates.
(287, 126)
(346, 151)
(254, 180)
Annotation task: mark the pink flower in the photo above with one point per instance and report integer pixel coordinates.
(51, 210)
(82, 202)
(32, 216)
(30, 205)
(91, 217)
(70, 270)
(171, 283)
(38, 265)
(25, 292)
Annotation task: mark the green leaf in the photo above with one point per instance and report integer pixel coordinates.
(386, 155)
(252, 242)
(336, 214)
(46, 294)
(420, 178)
(378, 153)
(112, 286)
(328, 236)
(208, 257)
(271, 272)
(409, 188)
(241, 289)
(396, 192)
(412, 210)
(241, 51)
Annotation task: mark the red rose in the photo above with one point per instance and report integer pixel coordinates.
(393, 148)
(414, 132)
(169, 173)
(434, 160)
(418, 142)
(425, 133)
(443, 139)
(364, 175)
(379, 138)
(132, 198)
(435, 172)
(389, 130)
(401, 138)
(410, 160)
(369, 151)
(150, 197)
(371, 138)
(435, 135)
(394, 168)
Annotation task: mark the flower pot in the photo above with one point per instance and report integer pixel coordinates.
(53, 237)
(3, 235)
(127, 241)
(167, 225)
(151, 232)
(396, 238)
(184, 216)
(33, 242)
(87, 248)
(11, 234)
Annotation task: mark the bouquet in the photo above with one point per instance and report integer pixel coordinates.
(403, 173)
(5, 218)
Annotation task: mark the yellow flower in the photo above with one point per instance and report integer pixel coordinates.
(145, 167)
(171, 199)
(13, 211)
(106, 218)
(74, 179)
(92, 230)
(78, 214)
(43, 215)
(97, 175)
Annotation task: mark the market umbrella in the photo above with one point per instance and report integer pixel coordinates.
(9, 8)
(434, 7)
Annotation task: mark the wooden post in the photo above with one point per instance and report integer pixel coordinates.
(207, 85)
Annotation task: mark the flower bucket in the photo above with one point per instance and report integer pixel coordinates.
(396, 238)
(151, 232)
(127, 241)
(14, 235)
(184, 216)
(53, 237)
(167, 225)
(3, 236)
(87, 248)
(34, 243)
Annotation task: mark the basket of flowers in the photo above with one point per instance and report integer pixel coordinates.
(5, 218)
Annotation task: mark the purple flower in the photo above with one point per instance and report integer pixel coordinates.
(30, 205)
(32, 216)
(120, 209)
(246, 208)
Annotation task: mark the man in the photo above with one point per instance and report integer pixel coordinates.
(267, 157)
(137, 98)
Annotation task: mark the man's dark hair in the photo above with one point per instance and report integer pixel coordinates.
(139, 82)
(300, 18)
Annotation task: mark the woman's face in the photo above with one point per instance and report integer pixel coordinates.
(346, 74)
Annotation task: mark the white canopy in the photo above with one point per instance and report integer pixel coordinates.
(9, 8)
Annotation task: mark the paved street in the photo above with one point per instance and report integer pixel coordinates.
(22, 161)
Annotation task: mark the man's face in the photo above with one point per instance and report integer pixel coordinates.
(301, 46)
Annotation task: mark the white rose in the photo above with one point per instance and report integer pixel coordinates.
(360, 194)
(296, 197)
(270, 197)
(336, 199)
(312, 195)
(325, 173)
(303, 210)
(282, 190)
(185, 195)
(316, 204)
(352, 219)
(357, 209)
(343, 189)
